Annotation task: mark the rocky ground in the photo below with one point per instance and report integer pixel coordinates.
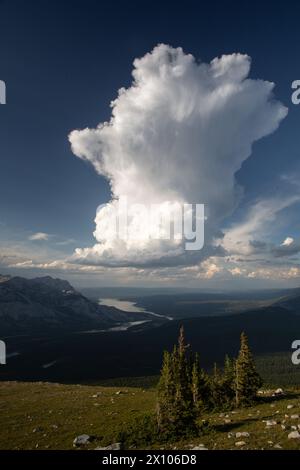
(55, 416)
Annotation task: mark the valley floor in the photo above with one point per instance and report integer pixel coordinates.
(49, 416)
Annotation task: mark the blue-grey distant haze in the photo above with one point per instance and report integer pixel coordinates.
(63, 64)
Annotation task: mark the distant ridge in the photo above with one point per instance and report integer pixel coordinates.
(44, 304)
(4, 277)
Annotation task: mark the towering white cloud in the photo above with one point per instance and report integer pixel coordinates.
(179, 133)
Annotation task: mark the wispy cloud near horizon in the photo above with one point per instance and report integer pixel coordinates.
(39, 236)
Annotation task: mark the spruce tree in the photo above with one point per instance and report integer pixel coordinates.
(183, 380)
(200, 387)
(229, 381)
(166, 393)
(217, 388)
(247, 380)
(175, 409)
(184, 409)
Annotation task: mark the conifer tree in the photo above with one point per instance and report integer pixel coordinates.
(184, 409)
(183, 380)
(229, 369)
(247, 380)
(175, 410)
(185, 389)
(217, 388)
(200, 386)
(229, 381)
(166, 393)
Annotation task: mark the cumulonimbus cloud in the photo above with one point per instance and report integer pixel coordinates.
(180, 132)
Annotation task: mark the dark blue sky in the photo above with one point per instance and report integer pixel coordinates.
(63, 62)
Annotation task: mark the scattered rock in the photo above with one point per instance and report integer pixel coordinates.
(37, 429)
(240, 443)
(279, 391)
(119, 392)
(272, 405)
(242, 434)
(289, 407)
(199, 447)
(277, 446)
(81, 440)
(294, 416)
(283, 426)
(294, 428)
(294, 435)
(227, 420)
(114, 446)
(271, 422)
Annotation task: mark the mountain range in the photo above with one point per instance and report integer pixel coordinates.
(55, 333)
(45, 304)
